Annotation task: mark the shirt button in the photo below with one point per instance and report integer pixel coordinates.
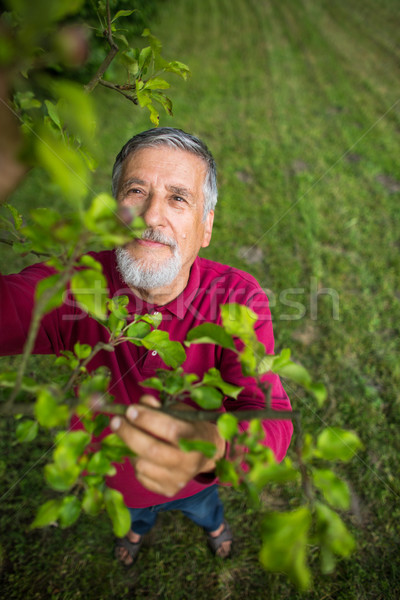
(156, 312)
(154, 353)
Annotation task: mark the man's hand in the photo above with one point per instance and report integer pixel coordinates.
(161, 466)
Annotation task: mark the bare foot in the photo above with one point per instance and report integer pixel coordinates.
(225, 548)
(122, 553)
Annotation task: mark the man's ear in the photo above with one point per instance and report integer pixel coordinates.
(208, 225)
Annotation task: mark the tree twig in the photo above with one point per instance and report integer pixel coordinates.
(37, 314)
(97, 78)
(99, 346)
(211, 415)
(305, 478)
(112, 86)
(39, 254)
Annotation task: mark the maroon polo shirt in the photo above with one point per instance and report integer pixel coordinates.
(210, 285)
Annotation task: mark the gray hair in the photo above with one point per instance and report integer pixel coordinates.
(178, 139)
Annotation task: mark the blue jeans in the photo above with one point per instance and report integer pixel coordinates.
(205, 509)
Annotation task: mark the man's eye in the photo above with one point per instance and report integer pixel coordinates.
(179, 199)
(134, 191)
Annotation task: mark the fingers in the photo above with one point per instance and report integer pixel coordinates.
(156, 423)
(158, 479)
(160, 465)
(150, 401)
(145, 444)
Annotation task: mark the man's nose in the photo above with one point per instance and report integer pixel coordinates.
(153, 211)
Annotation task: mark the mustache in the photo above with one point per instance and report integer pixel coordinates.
(154, 235)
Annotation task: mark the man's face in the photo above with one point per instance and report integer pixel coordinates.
(165, 187)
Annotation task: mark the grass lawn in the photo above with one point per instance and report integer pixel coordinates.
(299, 100)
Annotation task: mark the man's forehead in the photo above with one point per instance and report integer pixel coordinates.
(148, 153)
(179, 168)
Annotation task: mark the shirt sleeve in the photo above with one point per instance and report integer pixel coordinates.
(278, 433)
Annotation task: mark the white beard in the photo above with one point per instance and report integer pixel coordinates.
(138, 274)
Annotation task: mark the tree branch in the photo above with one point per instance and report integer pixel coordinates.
(39, 254)
(99, 346)
(117, 88)
(97, 78)
(305, 478)
(211, 415)
(37, 314)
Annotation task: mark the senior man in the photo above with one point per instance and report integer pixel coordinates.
(169, 178)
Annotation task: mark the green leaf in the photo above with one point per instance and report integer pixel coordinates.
(227, 426)
(284, 544)
(99, 464)
(154, 116)
(114, 448)
(144, 58)
(319, 392)
(265, 365)
(250, 357)
(156, 83)
(92, 501)
(295, 372)
(165, 102)
(178, 68)
(174, 382)
(154, 41)
(70, 445)
(239, 320)
(89, 287)
(94, 384)
(17, 217)
(102, 219)
(99, 424)
(333, 536)
(226, 472)
(334, 490)
(210, 333)
(138, 330)
(52, 233)
(76, 110)
(123, 13)
(153, 319)
(120, 36)
(256, 429)
(206, 397)
(48, 412)
(334, 443)
(8, 380)
(117, 511)
(27, 100)
(53, 114)
(57, 298)
(206, 448)
(69, 511)
(82, 351)
(172, 353)
(213, 378)
(47, 514)
(154, 383)
(87, 260)
(281, 359)
(27, 430)
(275, 472)
(64, 164)
(61, 479)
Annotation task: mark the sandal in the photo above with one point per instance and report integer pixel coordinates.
(131, 547)
(215, 543)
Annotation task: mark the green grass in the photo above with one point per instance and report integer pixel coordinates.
(299, 102)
